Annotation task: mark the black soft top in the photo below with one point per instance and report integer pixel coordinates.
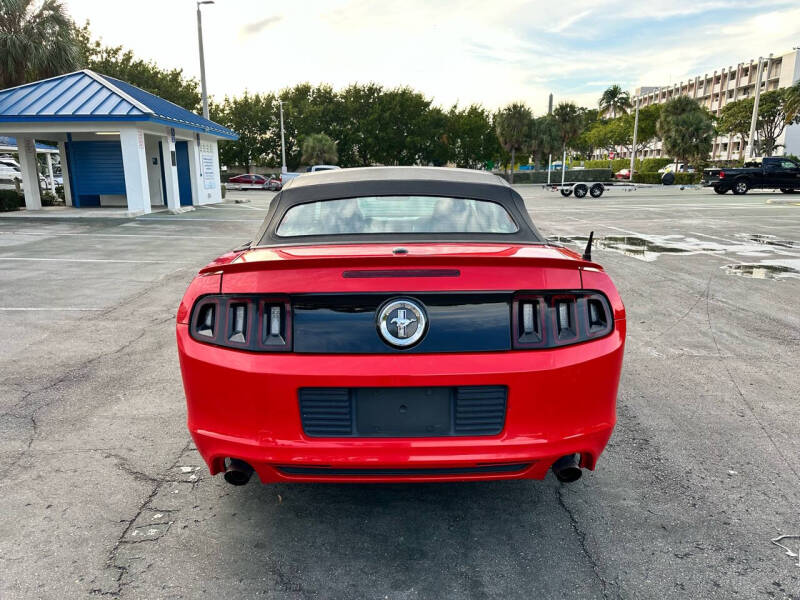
(397, 181)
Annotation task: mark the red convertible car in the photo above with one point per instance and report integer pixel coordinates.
(400, 324)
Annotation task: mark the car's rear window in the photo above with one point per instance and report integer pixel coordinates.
(396, 214)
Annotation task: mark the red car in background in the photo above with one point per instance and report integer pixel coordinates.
(400, 324)
(252, 181)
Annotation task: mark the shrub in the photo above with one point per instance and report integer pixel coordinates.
(571, 176)
(680, 178)
(647, 178)
(10, 200)
(48, 199)
(60, 192)
(651, 165)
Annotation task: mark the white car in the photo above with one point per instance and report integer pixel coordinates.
(316, 168)
(670, 168)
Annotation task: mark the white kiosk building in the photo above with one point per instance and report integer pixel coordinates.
(119, 145)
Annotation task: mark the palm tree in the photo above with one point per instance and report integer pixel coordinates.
(544, 138)
(791, 103)
(614, 99)
(319, 149)
(37, 40)
(686, 130)
(513, 128)
(570, 123)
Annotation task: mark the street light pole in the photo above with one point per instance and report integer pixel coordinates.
(633, 147)
(203, 89)
(283, 142)
(754, 119)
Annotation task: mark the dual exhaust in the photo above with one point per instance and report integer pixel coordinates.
(566, 469)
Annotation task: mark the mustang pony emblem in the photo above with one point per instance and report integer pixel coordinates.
(402, 321)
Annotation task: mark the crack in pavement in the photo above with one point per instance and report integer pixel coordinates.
(581, 535)
(111, 561)
(724, 360)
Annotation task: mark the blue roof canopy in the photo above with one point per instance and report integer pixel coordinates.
(89, 96)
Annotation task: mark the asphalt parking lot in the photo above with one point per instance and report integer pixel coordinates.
(103, 494)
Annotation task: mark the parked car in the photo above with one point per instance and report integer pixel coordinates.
(416, 327)
(624, 174)
(247, 181)
(315, 168)
(274, 183)
(775, 172)
(9, 182)
(670, 168)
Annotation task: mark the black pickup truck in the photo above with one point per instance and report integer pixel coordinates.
(776, 172)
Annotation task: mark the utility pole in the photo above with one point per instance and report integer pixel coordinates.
(283, 143)
(635, 131)
(550, 105)
(751, 148)
(203, 89)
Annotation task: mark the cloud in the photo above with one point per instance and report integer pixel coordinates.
(569, 21)
(259, 26)
(464, 51)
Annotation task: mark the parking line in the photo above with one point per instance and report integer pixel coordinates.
(57, 308)
(143, 235)
(181, 219)
(91, 260)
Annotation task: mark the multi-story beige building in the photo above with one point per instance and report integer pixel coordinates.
(714, 90)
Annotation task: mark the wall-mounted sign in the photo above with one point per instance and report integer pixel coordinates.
(209, 177)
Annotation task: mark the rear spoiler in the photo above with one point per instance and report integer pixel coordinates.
(393, 262)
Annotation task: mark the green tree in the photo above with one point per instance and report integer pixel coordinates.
(37, 40)
(115, 61)
(543, 138)
(255, 118)
(615, 100)
(319, 149)
(570, 123)
(735, 117)
(773, 117)
(512, 124)
(471, 137)
(792, 103)
(686, 130)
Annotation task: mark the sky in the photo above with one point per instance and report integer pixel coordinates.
(468, 51)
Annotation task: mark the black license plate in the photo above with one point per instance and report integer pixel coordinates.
(403, 412)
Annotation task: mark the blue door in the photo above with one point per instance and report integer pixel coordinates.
(95, 169)
(184, 178)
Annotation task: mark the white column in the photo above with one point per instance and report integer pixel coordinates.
(26, 147)
(62, 152)
(170, 174)
(134, 163)
(50, 173)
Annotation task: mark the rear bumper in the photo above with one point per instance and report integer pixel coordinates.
(245, 405)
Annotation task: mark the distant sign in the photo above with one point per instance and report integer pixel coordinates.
(611, 155)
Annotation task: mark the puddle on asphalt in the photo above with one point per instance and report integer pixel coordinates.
(762, 271)
(768, 240)
(647, 249)
(783, 260)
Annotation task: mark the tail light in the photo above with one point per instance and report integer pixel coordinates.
(254, 323)
(722, 174)
(550, 319)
